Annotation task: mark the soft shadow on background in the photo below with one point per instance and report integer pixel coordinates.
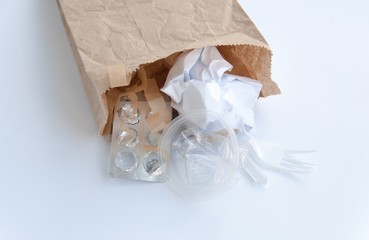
(54, 181)
(67, 92)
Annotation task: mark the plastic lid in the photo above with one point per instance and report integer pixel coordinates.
(201, 152)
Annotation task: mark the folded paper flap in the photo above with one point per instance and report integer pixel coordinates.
(106, 33)
(150, 148)
(152, 91)
(117, 76)
(161, 117)
(155, 122)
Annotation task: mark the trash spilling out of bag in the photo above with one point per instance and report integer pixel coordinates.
(174, 90)
(200, 152)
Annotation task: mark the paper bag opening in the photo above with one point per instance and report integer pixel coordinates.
(122, 35)
(242, 57)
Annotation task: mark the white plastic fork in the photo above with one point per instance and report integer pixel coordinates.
(276, 157)
(247, 165)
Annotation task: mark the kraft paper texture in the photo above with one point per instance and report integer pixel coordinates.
(112, 36)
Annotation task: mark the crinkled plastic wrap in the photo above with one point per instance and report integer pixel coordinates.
(111, 39)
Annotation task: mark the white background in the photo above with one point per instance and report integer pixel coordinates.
(54, 181)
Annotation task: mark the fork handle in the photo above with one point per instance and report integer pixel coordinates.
(256, 175)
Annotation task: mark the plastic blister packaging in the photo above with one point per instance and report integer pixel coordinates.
(134, 147)
(202, 154)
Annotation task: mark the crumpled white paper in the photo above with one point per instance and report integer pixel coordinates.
(198, 81)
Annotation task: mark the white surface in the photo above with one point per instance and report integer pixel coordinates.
(53, 168)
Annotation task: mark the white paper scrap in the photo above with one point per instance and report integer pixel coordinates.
(198, 81)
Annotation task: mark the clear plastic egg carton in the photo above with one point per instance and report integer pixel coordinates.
(134, 147)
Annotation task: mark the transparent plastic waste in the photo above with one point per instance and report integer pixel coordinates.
(202, 154)
(256, 153)
(126, 160)
(134, 147)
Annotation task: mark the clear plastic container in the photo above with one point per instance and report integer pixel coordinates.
(201, 152)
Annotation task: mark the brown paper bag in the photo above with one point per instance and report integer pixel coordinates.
(112, 38)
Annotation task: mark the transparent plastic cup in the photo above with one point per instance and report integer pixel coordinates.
(201, 152)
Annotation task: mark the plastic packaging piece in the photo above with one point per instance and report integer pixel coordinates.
(126, 160)
(153, 138)
(133, 148)
(202, 160)
(128, 138)
(126, 111)
(151, 162)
